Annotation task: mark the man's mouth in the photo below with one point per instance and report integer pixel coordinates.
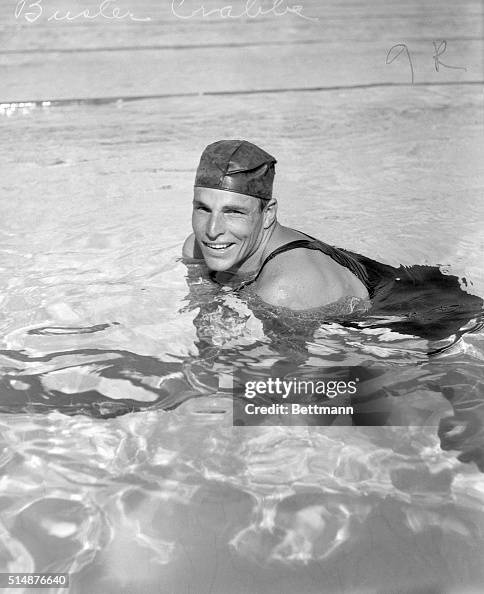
(217, 246)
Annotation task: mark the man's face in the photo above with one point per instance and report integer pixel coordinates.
(228, 227)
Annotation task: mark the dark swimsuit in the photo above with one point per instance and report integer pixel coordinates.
(429, 304)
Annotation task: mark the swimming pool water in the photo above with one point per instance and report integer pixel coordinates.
(149, 488)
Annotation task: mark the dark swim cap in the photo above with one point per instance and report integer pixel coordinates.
(236, 166)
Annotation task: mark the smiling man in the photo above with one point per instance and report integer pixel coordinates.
(235, 231)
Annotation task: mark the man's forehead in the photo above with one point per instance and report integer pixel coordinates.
(215, 197)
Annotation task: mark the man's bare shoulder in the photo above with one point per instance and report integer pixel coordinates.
(302, 279)
(190, 248)
(291, 280)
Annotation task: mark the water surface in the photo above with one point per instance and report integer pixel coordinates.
(151, 488)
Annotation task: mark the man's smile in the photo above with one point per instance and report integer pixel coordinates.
(217, 246)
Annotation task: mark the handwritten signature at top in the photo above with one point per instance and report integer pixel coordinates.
(33, 10)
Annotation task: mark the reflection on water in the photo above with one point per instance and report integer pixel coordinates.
(166, 496)
(119, 460)
(175, 491)
(22, 107)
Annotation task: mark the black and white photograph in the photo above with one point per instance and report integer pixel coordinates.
(241, 297)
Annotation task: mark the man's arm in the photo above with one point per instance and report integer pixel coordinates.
(191, 248)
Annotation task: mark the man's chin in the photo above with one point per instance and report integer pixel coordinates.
(217, 265)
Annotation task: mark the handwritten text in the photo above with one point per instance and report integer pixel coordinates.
(107, 9)
(396, 50)
(252, 10)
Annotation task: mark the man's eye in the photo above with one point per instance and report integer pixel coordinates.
(204, 208)
(233, 211)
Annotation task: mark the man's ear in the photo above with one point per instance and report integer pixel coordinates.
(270, 213)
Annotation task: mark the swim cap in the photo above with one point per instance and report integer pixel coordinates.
(236, 166)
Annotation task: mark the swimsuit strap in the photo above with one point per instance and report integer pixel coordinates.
(338, 255)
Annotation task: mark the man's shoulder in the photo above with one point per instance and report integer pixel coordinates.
(305, 279)
(294, 280)
(191, 248)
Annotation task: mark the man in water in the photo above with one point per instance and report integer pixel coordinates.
(236, 232)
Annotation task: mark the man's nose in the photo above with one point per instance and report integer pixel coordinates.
(215, 226)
